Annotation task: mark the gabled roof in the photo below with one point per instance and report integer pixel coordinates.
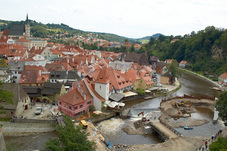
(29, 67)
(55, 66)
(183, 62)
(141, 59)
(89, 84)
(37, 50)
(131, 75)
(153, 58)
(102, 77)
(19, 94)
(19, 53)
(33, 77)
(73, 97)
(17, 29)
(108, 75)
(224, 75)
(28, 76)
(64, 75)
(51, 88)
(148, 80)
(160, 64)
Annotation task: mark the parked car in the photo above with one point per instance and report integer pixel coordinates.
(38, 111)
(159, 85)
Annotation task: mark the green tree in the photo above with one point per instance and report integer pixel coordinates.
(151, 42)
(140, 91)
(174, 71)
(70, 139)
(219, 145)
(5, 95)
(221, 106)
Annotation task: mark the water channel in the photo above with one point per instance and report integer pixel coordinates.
(191, 85)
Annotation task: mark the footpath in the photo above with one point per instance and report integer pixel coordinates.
(18, 129)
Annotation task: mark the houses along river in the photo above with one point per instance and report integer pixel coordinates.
(191, 85)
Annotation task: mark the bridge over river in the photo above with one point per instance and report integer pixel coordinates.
(164, 131)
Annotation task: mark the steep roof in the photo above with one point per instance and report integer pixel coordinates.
(19, 94)
(224, 75)
(89, 84)
(108, 75)
(51, 88)
(141, 59)
(148, 80)
(17, 29)
(73, 97)
(153, 58)
(64, 75)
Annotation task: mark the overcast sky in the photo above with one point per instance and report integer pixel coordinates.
(129, 18)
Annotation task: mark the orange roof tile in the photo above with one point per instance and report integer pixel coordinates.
(73, 97)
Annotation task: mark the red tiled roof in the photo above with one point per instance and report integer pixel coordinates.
(88, 83)
(106, 75)
(131, 75)
(73, 97)
(28, 76)
(148, 80)
(29, 67)
(19, 53)
(224, 75)
(183, 62)
(23, 40)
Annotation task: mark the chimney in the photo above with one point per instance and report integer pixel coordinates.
(67, 60)
(84, 96)
(146, 52)
(40, 73)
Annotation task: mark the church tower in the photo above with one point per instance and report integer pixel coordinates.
(27, 28)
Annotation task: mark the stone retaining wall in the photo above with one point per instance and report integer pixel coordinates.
(103, 117)
(50, 121)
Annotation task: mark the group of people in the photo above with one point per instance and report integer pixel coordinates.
(213, 138)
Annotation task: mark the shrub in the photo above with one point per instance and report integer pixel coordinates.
(140, 91)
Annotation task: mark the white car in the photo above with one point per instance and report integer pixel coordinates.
(159, 85)
(38, 110)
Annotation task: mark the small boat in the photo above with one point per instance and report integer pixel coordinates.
(188, 127)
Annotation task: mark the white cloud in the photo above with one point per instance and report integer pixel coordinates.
(130, 18)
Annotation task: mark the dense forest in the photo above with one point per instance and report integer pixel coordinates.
(205, 50)
(49, 30)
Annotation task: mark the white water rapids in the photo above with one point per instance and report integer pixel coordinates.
(110, 127)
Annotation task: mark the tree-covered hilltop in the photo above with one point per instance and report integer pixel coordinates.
(205, 50)
(39, 29)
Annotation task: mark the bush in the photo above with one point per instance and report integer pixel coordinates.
(91, 108)
(140, 91)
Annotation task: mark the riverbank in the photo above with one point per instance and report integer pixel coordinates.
(205, 78)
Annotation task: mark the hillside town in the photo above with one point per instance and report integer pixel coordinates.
(71, 76)
(73, 81)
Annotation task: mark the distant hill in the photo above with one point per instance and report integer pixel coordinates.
(39, 29)
(147, 38)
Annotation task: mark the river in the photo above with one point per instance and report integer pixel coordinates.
(191, 85)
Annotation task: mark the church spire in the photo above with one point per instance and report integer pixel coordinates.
(27, 19)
